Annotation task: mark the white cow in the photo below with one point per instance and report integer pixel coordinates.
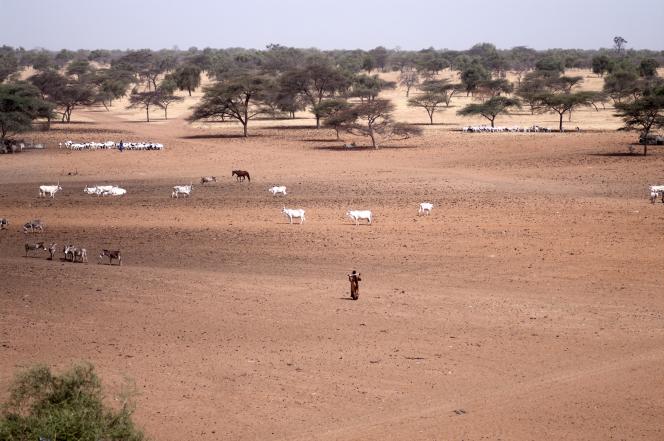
(656, 190)
(182, 190)
(356, 215)
(294, 213)
(425, 208)
(278, 190)
(90, 190)
(49, 190)
(115, 191)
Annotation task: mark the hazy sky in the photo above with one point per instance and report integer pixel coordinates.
(340, 24)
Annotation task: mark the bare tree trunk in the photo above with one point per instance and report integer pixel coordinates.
(244, 127)
(147, 113)
(560, 126)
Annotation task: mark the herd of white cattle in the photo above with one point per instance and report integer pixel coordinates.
(107, 145)
(655, 191)
(513, 129)
(186, 191)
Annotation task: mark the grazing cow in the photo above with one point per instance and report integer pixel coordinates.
(182, 190)
(115, 191)
(294, 213)
(207, 179)
(240, 175)
(111, 254)
(425, 208)
(3, 223)
(278, 190)
(34, 247)
(33, 225)
(49, 190)
(356, 215)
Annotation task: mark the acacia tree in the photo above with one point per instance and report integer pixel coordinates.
(373, 119)
(187, 77)
(238, 97)
(20, 105)
(408, 79)
(473, 75)
(333, 113)
(644, 113)
(165, 96)
(601, 64)
(491, 108)
(317, 80)
(429, 101)
(368, 87)
(562, 103)
(492, 88)
(441, 87)
(8, 62)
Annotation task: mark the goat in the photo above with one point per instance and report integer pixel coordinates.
(278, 190)
(294, 213)
(425, 208)
(33, 225)
(111, 254)
(3, 223)
(356, 215)
(240, 175)
(182, 189)
(34, 247)
(207, 179)
(50, 190)
(51, 250)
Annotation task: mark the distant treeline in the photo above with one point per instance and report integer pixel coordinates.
(340, 88)
(279, 58)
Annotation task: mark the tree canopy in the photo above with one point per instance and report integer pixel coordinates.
(644, 113)
(20, 105)
(491, 108)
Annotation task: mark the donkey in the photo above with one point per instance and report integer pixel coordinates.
(240, 175)
(111, 254)
(34, 247)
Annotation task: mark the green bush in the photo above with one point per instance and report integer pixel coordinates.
(44, 406)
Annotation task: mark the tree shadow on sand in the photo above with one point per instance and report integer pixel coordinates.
(341, 148)
(220, 136)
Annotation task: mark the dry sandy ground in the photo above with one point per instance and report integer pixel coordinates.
(530, 301)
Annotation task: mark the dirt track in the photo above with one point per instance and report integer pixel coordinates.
(531, 298)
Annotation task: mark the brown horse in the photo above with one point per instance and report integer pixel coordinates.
(240, 175)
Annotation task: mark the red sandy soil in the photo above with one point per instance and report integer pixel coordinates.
(530, 302)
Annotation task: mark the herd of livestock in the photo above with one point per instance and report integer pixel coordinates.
(513, 129)
(79, 254)
(107, 145)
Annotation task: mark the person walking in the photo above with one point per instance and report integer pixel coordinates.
(121, 146)
(354, 279)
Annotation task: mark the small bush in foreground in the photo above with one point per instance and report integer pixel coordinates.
(44, 406)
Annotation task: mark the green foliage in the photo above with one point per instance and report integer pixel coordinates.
(550, 64)
(562, 103)
(473, 75)
(8, 62)
(367, 87)
(79, 68)
(237, 97)
(430, 101)
(64, 407)
(644, 113)
(601, 64)
(648, 67)
(187, 77)
(491, 108)
(20, 104)
(333, 113)
(373, 119)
